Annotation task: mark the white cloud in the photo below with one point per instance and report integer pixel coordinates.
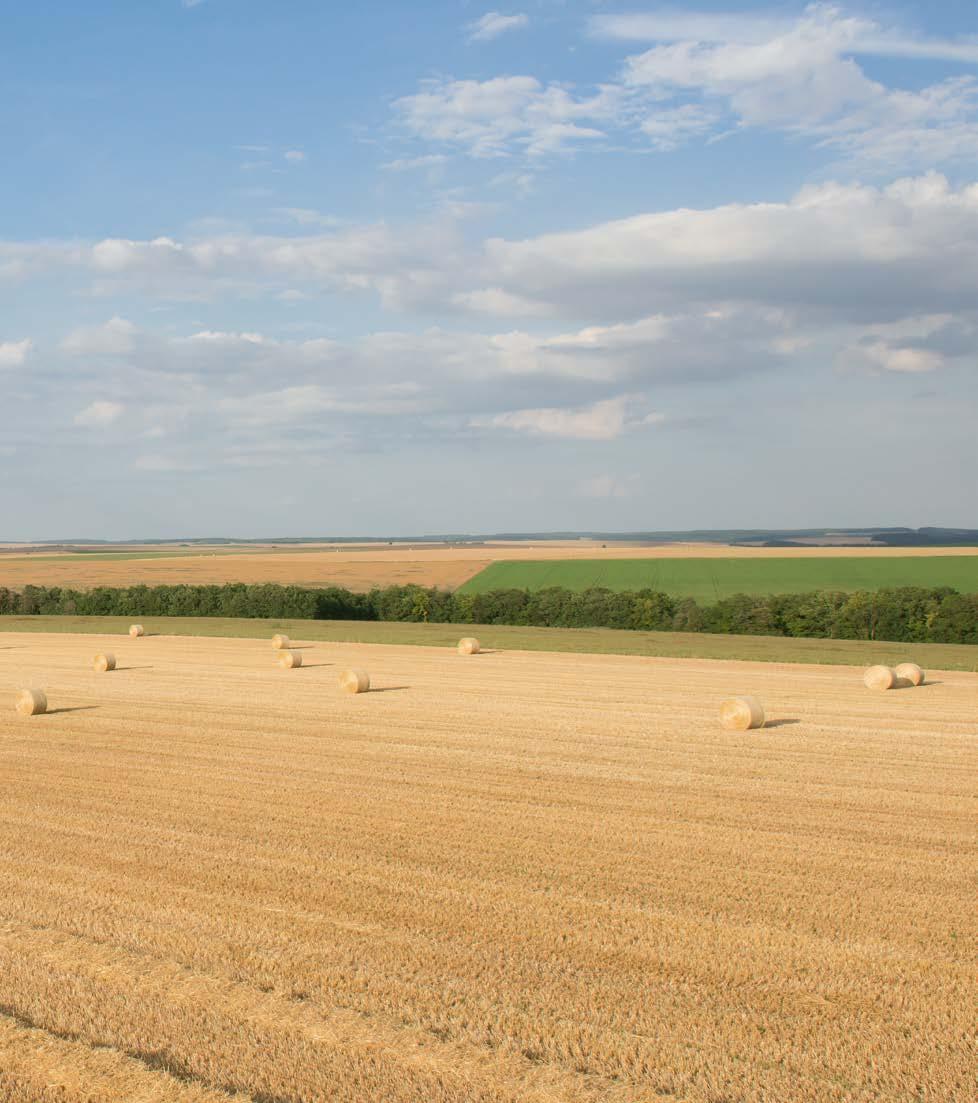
(288, 404)
(23, 260)
(607, 486)
(904, 359)
(425, 161)
(99, 413)
(493, 24)
(217, 337)
(390, 260)
(670, 128)
(604, 420)
(799, 77)
(752, 28)
(497, 117)
(496, 301)
(15, 353)
(116, 337)
(906, 248)
(874, 252)
(294, 155)
(113, 255)
(707, 75)
(674, 25)
(565, 384)
(522, 183)
(306, 216)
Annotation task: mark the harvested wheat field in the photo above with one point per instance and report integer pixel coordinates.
(359, 568)
(519, 877)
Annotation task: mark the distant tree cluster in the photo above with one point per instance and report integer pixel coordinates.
(908, 614)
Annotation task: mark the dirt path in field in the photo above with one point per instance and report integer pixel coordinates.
(512, 877)
(383, 565)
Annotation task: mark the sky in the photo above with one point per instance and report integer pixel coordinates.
(306, 268)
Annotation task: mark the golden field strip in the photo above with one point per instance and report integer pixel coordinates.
(512, 878)
(361, 568)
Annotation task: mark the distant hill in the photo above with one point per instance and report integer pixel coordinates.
(771, 538)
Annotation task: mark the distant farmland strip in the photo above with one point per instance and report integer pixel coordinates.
(710, 580)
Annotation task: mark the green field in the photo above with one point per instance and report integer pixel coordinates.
(710, 580)
(594, 641)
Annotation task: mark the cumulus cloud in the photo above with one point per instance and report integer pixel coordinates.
(493, 24)
(669, 128)
(866, 36)
(903, 359)
(602, 421)
(706, 75)
(854, 249)
(405, 164)
(25, 260)
(585, 384)
(389, 260)
(497, 117)
(798, 76)
(15, 353)
(99, 414)
(116, 337)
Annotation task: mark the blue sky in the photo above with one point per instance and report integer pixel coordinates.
(305, 268)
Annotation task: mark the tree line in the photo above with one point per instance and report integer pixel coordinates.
(907, 614)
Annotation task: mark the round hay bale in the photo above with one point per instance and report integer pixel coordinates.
(910, 672)
(468, 646)
(104, 662)
(879, 677)
(280, 642)
(355, 681)
(741, 714)
(136, 630)
(290, 659)
(31, 702)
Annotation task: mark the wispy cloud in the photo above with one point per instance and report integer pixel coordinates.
(708, 72)
(494, 23)
(865, 36)
(100, 413)
(14, 353)
(602, 421)
(116, 337)
(497, 117)
(294, 155)
(707, 75)
(405, 164)
(306, 216)
(903, 358)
